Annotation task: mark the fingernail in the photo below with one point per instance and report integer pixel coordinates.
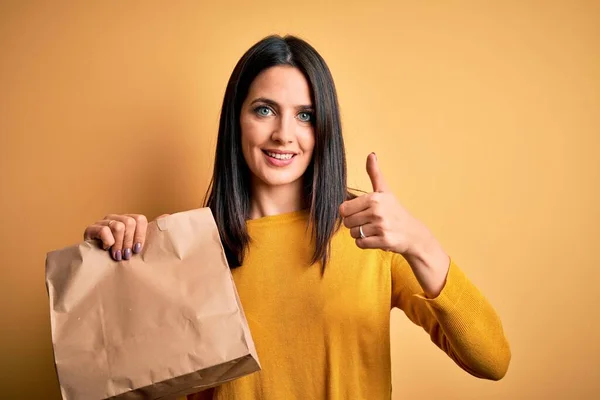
(117, 255)
(127, 254)
(374, 155)
(137, 248)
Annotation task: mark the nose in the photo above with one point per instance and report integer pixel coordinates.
(284, 131)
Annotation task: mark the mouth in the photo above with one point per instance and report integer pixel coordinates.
(279, 155)
(279, 158)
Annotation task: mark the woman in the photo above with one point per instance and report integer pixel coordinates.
(319, 267)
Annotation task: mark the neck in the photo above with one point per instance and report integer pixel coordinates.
(273, 200)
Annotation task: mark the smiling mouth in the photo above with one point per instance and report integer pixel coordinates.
(280, 156)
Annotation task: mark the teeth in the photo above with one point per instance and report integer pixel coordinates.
(280, 156)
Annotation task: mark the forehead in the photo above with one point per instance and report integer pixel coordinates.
(284, 84)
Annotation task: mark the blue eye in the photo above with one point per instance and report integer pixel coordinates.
(305, 116)
(263, 111)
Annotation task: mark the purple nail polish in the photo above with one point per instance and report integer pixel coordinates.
(137, 248)
(117, 255)
(127, 254)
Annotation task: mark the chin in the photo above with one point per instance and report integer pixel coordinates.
(270, 180)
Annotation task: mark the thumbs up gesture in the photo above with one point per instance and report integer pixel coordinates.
(378, 221)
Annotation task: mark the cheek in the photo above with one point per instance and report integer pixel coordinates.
(249, 136)
(253, 132)
(307, 142)
(246, 131)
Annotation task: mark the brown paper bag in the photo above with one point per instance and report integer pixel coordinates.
(166, 323)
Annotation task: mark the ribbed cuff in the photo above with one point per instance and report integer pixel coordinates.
(454, 287)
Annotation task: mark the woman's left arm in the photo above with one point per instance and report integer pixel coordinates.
(448, 306)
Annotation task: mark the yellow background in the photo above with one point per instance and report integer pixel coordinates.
(484, 115)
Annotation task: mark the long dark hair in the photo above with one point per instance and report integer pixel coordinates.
(228, 195)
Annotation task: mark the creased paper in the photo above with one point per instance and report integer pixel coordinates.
(166, 323)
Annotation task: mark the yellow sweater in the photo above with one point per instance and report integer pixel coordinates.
(328, 336)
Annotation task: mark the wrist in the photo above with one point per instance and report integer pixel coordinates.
(424, 246)
(430, 264)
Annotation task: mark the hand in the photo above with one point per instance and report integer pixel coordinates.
(123, 235)
(388, 226)
(385, 223)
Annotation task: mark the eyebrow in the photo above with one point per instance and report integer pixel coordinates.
(276, 105)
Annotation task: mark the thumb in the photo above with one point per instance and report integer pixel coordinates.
(375, 174)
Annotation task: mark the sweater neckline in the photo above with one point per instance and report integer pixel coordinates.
(279, 218)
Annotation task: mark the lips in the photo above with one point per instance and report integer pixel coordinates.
(279, 158)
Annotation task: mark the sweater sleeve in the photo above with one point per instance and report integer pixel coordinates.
(460, 321)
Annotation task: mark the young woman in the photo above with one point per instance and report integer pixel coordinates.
(317, 268)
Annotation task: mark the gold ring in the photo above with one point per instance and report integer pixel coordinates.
(110, 222)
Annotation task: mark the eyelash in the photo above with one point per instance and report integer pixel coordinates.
(257, 109)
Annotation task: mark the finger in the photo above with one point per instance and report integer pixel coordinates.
(369, 230)
(141, 227)
(100, 232)
(370, 242)
(359, 218)
(128, 233)
(379, 184)
(354, 206)
(117, 228)
(371, 201)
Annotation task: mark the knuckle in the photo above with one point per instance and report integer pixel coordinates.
(377, 214)
(106, 237)
(140, 219)
(118, 227)
(105, 233)
(375, 199)
(130, 223)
